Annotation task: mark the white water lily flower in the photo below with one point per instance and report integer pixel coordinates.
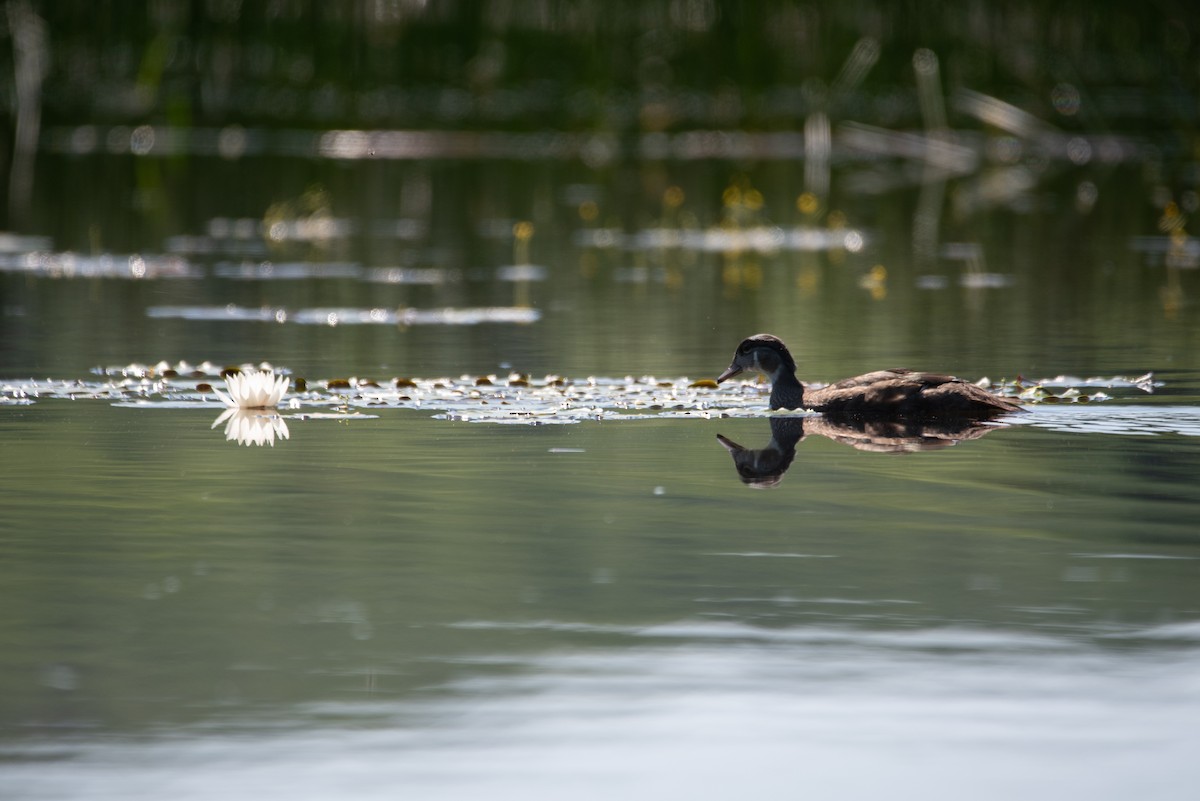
(257, 390)
(252, 428)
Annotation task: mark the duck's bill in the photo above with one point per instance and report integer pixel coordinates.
(729, 373)
(729, 444)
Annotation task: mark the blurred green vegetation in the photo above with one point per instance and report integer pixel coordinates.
(601, 65)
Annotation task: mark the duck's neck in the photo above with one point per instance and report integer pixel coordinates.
(786, 390)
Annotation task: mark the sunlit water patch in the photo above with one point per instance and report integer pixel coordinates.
(248, 236)
(349, 315)
(228, 313)
(266, 270)
(410, 316)
(286, 271)
(429, 276)
(67, 264)
(1117, 419)
(761, 239)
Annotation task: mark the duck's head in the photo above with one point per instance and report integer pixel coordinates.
(761, 353)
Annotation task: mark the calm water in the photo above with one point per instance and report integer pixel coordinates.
(409, 594)
(455, 608)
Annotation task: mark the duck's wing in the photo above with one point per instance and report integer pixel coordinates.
(908, 394)
(871, 379)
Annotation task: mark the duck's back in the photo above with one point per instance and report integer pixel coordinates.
(904, 393)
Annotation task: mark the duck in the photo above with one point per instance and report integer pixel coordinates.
(883, 394)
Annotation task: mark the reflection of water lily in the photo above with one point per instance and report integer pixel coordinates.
(256, 390)
(252, 428)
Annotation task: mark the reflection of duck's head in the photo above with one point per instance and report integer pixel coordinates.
(883, 394)
(763, 468)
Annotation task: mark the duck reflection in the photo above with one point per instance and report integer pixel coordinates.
(764, 467)
(252, 426)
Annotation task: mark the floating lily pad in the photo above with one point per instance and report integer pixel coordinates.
(515, 399)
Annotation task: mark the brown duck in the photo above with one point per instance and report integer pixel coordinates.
(881, 394)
